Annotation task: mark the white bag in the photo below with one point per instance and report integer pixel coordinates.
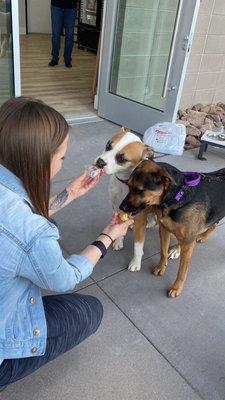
(166, 138)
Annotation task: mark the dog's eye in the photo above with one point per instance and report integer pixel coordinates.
(108, 147)
(120, 158)
(138, 191)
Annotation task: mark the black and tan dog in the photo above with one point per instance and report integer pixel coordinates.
(187, 205)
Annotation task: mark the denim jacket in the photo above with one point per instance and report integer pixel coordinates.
(31, 259)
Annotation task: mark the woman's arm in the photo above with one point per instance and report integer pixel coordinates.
(60, 200)
(112, 231)
(93, 253)
(78, 187)
(44, 264)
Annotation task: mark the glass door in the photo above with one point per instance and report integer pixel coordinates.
(9, 50)
(144, 56)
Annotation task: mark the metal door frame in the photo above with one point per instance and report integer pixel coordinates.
(104, 99)
(16, 47)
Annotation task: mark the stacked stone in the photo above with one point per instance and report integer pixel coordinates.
(199, 119)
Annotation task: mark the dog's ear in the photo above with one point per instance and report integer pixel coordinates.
(148, 153)
(125, 129)
(163, 176)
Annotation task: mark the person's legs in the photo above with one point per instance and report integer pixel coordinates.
(57, 23)
(70, 319)
(69, 22)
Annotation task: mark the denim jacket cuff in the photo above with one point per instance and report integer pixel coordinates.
(82, 263)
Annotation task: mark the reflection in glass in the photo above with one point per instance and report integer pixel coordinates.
(143, 37)
(89, 12)
(6, 58)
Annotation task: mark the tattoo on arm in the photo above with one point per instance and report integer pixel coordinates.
(59, 200)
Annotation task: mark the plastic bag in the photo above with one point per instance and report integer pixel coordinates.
(166, 137)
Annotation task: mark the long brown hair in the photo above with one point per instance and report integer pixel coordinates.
(30, 134)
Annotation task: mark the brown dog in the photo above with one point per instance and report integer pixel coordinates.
(187, 205)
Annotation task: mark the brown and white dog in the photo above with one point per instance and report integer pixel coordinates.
(122, 154)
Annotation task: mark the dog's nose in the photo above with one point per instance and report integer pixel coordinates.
(100, 163)
(125, 206)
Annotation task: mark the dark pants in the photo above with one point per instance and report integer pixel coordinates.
(62, 17)
(70, 318)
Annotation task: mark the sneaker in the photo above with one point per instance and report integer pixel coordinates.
(68, 64)
(53, 63)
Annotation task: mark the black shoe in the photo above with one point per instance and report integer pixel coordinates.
(68, 64)
(53, 63)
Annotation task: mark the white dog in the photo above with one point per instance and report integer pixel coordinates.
(122, 154)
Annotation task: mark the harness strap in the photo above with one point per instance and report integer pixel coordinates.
(192, 179)
(124, 181)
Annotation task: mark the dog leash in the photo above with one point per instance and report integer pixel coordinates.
(213, 178)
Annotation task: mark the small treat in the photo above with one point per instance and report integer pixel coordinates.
(124, 216)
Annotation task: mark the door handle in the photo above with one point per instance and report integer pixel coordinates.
(171, 88)
(172, 49)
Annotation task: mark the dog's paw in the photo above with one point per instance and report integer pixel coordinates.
(134, 266)
(175, 292)
(159, 270)
(118, 244)
(201, 238)
(174, 253)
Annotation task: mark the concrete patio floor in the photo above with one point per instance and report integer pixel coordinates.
(148, 347)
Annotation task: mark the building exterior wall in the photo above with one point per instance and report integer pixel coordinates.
(205, 79)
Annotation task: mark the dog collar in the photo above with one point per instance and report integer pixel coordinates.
(124, 181)
(192, 179)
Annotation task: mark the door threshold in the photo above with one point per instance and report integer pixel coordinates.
(83, 119)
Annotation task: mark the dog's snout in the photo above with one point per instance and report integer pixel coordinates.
(100, 163)
(125, 206)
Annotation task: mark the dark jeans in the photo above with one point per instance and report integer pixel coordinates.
(62, 17)
(70, 318)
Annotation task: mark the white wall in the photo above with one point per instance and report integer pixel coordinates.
(39, 17)
(22, 17)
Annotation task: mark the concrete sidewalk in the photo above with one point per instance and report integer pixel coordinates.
(149, 347)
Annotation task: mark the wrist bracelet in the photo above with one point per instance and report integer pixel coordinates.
(105, 234)
(101, 247)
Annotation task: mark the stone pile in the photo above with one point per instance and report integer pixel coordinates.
(199, 119)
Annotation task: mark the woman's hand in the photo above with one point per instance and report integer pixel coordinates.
(83, 184)
(116, 228)
(75, 189)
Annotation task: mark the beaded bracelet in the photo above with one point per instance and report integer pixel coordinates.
(105, 234)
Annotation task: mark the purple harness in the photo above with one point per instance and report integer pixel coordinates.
(192, 179)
